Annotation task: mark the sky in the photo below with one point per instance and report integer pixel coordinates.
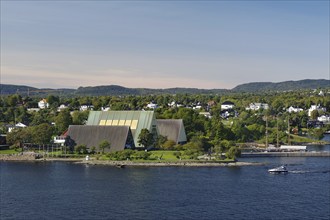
(162, 44)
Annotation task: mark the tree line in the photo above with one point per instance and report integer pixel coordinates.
(203, 133)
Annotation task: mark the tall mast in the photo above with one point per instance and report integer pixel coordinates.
(277, 135)
(266, 132)
(289, 140)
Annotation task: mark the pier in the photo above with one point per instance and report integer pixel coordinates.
(286, 154)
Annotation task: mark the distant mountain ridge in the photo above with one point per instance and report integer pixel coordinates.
(283, 86)
(254, 87)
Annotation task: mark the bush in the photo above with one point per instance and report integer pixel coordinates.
(121, 155)
(168, 145)
(142, 155)
(233, 152)
(177, 154)
(93, 150)
(81, 149)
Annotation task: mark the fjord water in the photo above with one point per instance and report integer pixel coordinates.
(59, 190)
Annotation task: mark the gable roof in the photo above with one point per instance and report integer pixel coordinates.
(173, 129)
(228, 103)
(136, 120)
(92, 135)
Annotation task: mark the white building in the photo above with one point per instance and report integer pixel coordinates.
(60, 140)
(86, 107)
(257, 106)
(18, 125)
(206, 114)
(197, 107)
(105, 109)
(152, 105)
(316, 107)
(42, 104)
(324, 118)
(174, 105)
(293, 109)
(227, 105)
(62, 107)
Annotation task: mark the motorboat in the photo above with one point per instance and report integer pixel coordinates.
(281, 169)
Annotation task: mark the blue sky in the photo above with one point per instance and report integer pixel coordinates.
(158, 44)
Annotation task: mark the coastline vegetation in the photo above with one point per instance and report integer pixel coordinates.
(219, 135)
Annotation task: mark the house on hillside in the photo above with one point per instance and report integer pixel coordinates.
(18, 125)
(119, 137)
(60, 140)
(324, 118)
(294, 109)
(257, 106)
(152, 105)
(227, 105)
(86, 107)
(316, 107)
(206, 114)
(62, 107)
(173, 104)
(42, 104)
(106, 108)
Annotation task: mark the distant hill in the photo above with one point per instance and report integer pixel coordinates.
(119, 90)
(7, 89)
(283, 86)
(254, 87)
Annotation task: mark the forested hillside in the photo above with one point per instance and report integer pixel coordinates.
(254, 87)
(282, 86)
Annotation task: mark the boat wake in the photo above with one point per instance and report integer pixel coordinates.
(308, 171)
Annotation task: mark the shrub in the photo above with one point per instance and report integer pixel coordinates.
(142, 155)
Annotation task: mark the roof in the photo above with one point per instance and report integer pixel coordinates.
(173, 129)
(228, 103)
(92, 135)
(136, 120)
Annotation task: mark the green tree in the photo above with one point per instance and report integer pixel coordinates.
(314, 114)
(42, 134)
(168, 145)
(62, 121)
(160, 141)
(81, 149)
(104, 145)
(233, 152)
(19, 136)
(39, 117)
(142, 155)
(145, 138)
(79, 118)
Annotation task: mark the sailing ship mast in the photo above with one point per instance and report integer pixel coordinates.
(266, 132)
(289, 140)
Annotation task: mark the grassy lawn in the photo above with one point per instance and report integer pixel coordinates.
(165, 155)
(301, 139)
(10, 151)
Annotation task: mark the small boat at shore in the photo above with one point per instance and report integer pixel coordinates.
(120, 165)
(281, 169)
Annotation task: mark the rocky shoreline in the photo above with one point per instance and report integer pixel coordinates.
(120, 164)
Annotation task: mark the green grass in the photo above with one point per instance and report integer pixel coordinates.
(301, 139)
(166, 155)
(10, 151)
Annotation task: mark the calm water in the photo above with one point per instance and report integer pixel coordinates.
(57, 190)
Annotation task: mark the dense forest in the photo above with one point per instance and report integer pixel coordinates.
(218, 129)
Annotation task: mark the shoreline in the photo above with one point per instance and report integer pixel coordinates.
(121, 164)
